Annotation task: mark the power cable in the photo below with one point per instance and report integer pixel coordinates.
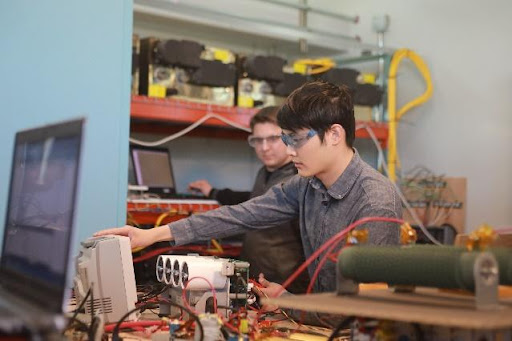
(189, 129)
(115, 332)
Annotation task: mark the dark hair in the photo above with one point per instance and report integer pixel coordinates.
(318, 105)
(266, 114)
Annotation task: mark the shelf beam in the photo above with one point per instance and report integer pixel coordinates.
(169, 115)
(185, 112)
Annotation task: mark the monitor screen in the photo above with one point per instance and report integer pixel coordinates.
(41, 205)
(152, 167)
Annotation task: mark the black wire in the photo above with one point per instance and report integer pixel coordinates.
(90, 331)
(80, 306)
(154, 293)
(91, 306)
(239, 278)
(342, 325)
(95, 324)
(225, 333)
(145, 290)
(237, 287)
(167, 286)
(80, 323)
(115, 332)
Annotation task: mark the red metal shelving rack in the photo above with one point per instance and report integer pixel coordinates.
(161, 115)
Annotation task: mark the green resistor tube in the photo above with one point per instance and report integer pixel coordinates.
(420, 265)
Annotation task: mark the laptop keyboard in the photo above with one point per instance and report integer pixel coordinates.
(183, 196)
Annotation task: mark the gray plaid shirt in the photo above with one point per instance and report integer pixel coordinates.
(359, 192)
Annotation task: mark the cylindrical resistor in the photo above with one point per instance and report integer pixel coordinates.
(433, 266)
(168, 260)
(159, 269)
(168, 269)
(207, 268)
(177, 264)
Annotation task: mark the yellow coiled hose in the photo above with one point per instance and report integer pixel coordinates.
(394, 116)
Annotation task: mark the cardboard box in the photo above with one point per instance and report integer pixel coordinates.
(436, 200)
(363, 113)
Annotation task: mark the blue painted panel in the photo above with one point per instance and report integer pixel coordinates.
(64, 59)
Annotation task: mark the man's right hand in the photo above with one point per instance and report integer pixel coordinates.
(268, 290)
(139, 238)
(201, 185)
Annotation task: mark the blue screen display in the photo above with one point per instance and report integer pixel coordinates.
(41, 208)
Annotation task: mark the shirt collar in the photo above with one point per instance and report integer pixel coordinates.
(345, 182)
(287, 169)
(288, 166)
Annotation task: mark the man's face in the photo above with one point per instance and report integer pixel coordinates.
(268, 145)
(307, 152)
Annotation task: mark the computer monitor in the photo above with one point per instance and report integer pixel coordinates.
(40, 216)
(152, 167)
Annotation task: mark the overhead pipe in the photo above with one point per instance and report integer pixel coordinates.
(255, 26)
(303, 22)
(201, 13)
(305, 7)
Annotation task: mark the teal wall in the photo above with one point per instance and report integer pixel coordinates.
(64, 59)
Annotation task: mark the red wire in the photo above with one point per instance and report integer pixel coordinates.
(329, 242)
(229, 325)
(256, 283)
(329, 255)
(318, 268)
(110, 327)
(184, 297)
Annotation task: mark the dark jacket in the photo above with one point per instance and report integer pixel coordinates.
(277, 251)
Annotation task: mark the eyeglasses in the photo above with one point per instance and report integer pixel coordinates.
(256, 141)
(295, 141)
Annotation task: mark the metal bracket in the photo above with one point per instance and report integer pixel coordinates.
(486, 275)
(346, 286)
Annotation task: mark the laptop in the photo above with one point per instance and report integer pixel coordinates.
(39, 229)
(153, 169)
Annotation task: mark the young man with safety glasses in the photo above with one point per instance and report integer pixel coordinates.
(334, 186)
(277, 251)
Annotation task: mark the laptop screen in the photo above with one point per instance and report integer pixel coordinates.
(41, 206)
(152, 168)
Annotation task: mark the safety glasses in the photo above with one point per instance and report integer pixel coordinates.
(295, 141)
(255, 141)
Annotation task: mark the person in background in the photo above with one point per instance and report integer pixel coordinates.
(275, 252)
(334, 187)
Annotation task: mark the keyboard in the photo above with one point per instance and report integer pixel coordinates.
(183, 196)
